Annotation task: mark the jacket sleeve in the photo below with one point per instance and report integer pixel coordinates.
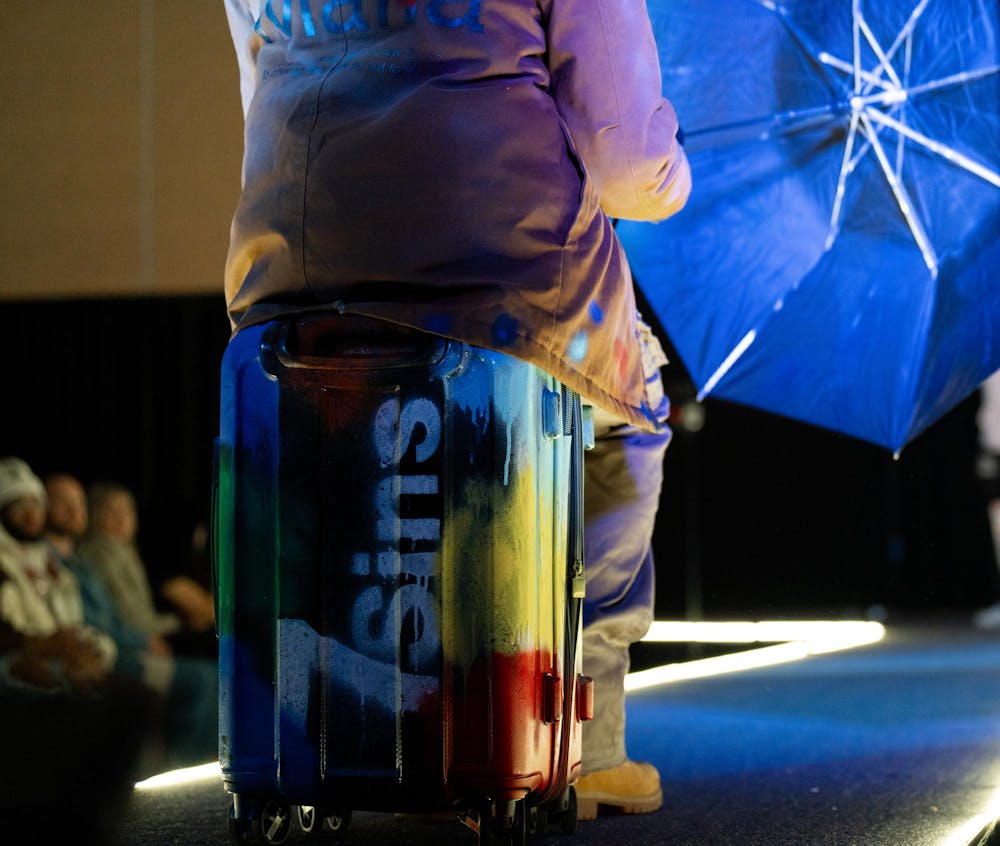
(605, 78)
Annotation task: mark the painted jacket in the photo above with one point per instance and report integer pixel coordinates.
(39, 595)
(454, 165)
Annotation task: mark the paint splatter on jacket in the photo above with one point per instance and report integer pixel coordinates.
(454, 165)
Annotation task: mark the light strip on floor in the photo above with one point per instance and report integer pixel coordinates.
(184, 776)
(766, 631)
(794, 640)
(964, 835)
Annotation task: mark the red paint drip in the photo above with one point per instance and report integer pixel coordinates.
(499, 734)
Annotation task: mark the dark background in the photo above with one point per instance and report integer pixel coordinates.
(760, 516)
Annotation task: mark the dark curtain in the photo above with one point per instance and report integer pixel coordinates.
(123, 390)
(759, 515)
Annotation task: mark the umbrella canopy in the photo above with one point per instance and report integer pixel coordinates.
(839, 259)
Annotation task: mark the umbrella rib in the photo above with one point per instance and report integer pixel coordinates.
(727, 364)
(856, 39)
(903, 34)
(902, 197)
(889, 97)
(937, 147)
(963, 78)
(781, 120)
(865, 147)
(846, 168)
(867, 144)
(900, 140)
(806, 44)
(884, 61)
(848, 68)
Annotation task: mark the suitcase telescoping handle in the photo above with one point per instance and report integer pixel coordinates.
(575, 584)
(575, 426)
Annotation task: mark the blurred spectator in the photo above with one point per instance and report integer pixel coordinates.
(40, 598)
(192, 601)
(139, 653)
(70, 728)
(988, 470)
(110, 547)
(109, 550)
(82, 752)
(180, 572)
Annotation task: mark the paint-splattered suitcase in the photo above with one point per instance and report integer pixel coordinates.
(398, 577)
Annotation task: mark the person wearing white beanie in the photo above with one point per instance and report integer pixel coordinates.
(17, 481)
(40, 598)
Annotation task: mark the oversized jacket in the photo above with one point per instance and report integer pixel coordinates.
(39, 595)
(454, 166)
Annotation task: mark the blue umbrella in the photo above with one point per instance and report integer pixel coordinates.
(839, 259)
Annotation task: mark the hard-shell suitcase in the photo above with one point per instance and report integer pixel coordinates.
(398, 565)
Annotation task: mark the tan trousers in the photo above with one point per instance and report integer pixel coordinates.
(623, 476)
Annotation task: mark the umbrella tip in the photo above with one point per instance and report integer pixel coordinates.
(896, 454)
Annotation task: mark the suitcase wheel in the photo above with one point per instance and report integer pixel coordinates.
(561, 811)
(503, 824)
(537, 820)
(270, 822)
(331, 822)
(567, 817)
(239, 829)
(305, 816)
(336, 821)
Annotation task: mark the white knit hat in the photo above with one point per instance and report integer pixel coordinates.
(17, 480)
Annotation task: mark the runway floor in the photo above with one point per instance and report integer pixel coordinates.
(896, 743)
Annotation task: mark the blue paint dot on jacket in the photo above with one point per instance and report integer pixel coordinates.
(578, 346)
(504, 330)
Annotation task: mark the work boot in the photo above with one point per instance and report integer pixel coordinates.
(629, 788)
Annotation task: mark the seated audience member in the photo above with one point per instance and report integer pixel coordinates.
(40, 598)
(110, 547)
(140, 654)
(180, 572)
(988, 472)
(189, 684)
(86, 751)
(70, 727)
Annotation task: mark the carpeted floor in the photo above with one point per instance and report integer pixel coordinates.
(893, 744)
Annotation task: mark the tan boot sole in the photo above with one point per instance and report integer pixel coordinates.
(587, 806)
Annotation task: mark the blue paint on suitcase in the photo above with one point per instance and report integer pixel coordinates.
(248, 455)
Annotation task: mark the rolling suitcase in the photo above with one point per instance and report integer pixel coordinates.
(399, 577)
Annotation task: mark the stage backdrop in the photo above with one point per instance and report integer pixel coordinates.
(760, 516)
(121, 138)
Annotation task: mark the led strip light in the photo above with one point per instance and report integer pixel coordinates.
(792, 641)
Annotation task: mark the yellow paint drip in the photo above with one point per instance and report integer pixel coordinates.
(502, 596)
